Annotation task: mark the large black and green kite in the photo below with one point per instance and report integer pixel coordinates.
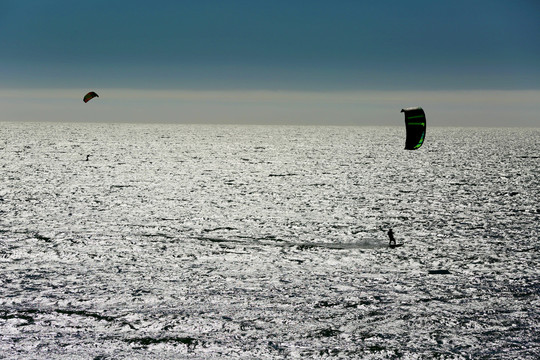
(415, 124)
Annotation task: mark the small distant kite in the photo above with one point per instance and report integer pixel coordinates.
(415, 124)
(89, 96)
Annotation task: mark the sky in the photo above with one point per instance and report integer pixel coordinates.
(334, 62)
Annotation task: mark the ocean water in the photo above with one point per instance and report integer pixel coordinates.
(261, 242)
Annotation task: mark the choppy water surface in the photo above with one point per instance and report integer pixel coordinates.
(265, 242)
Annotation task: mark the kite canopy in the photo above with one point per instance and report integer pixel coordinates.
(89, 96)
(415, 124)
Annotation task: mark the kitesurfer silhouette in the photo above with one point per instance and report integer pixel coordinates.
(391, 236)
(87, 157)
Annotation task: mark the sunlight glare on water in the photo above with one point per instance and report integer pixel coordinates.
(267, 242)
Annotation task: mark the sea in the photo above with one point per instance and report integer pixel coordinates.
(160, 241)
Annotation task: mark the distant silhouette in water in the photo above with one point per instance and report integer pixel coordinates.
(392, 239)
(439, 272)
(87, 157)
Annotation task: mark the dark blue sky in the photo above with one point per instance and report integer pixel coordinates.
(274, 44)
(348, 62)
